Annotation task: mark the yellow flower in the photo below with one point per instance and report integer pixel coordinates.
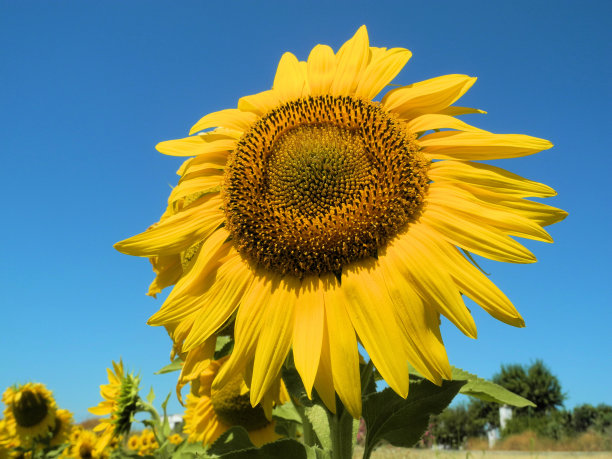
(120, 398)
(319, 217)
(63, 428)
(175, 439)
(211, 412)
(134, 442)
(148, 443)
(86, 445)
(30, 410)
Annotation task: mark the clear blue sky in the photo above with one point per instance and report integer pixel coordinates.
(88, 88)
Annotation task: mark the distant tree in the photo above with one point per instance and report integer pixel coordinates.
(585, 417)
(535, 383)
(455, 424)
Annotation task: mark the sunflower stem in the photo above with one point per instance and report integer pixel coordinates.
(308, 432)
(156, 423)
(341, 430)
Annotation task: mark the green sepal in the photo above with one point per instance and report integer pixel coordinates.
(487, 391)
(317, 416)
(176, 365)
(400, 421)
(165, 424)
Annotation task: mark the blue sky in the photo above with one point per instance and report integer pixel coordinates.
(89, 88)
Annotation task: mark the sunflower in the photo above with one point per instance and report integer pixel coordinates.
(211, 412)
(148, 443)
(62, 429)
(175, 439)
(134, 442)
(120, 399)
(30, 410)
(318, 218)
(86, 445)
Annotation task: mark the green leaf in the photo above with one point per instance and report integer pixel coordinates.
(281, 449)
(287, 412)
(402, 421)
(165, 424)
(295, 386)
(234, 439)
(188, 450)
(317, 416)
(487, 390)
(176, 365)
(223, 346)
(151, 396)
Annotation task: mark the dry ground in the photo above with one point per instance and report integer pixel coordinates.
(389, 452)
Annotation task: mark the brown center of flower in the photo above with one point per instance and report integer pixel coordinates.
(321, 182)
(235, 409)
(30, 408)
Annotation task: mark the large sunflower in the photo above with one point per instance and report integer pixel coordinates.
(211, 412)
(318, 217)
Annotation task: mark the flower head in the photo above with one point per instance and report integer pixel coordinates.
(120, 399)
(211, 412)
(30, 411)
(318, 217)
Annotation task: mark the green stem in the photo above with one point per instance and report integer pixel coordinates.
(309, 435)
(158, 431)
(341, 430)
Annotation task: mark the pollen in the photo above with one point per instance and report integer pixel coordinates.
(320, 182)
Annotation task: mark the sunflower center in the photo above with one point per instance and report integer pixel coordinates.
(235, 409)
(30, 408)
(321, 182)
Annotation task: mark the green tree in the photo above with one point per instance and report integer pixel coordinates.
(536, 383)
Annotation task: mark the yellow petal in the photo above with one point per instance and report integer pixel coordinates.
(247, 328)
(429, 96)
(177, 232)
(259, 103)
(479, 288)
(197, 145)
(488, 177)
(230, 118)
(542, 214)
(275, 339)
(477, 238)
(324, 382)
(352, 59)
(457, 201)
(308, 331)
(321, 69)
(168, 270)
(194, 185)
(432, 282)
(289, 79)
(419, 321)
(343, 348)
(429, 122)
(381, 71)
(218, 304)
(369, 309)
(454, 110)
(479, 146)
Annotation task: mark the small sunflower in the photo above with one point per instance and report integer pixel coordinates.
(148, 443)
(176, 439)
(120, 402)
(211, 412)
(134, 442)
(63, 428)
(86, 445)
(318, 218)
(31, 410)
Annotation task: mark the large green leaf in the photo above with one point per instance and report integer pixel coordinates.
(317, 416)
(232, 440)
(487, 390)
(281, 449)
(400, 421)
